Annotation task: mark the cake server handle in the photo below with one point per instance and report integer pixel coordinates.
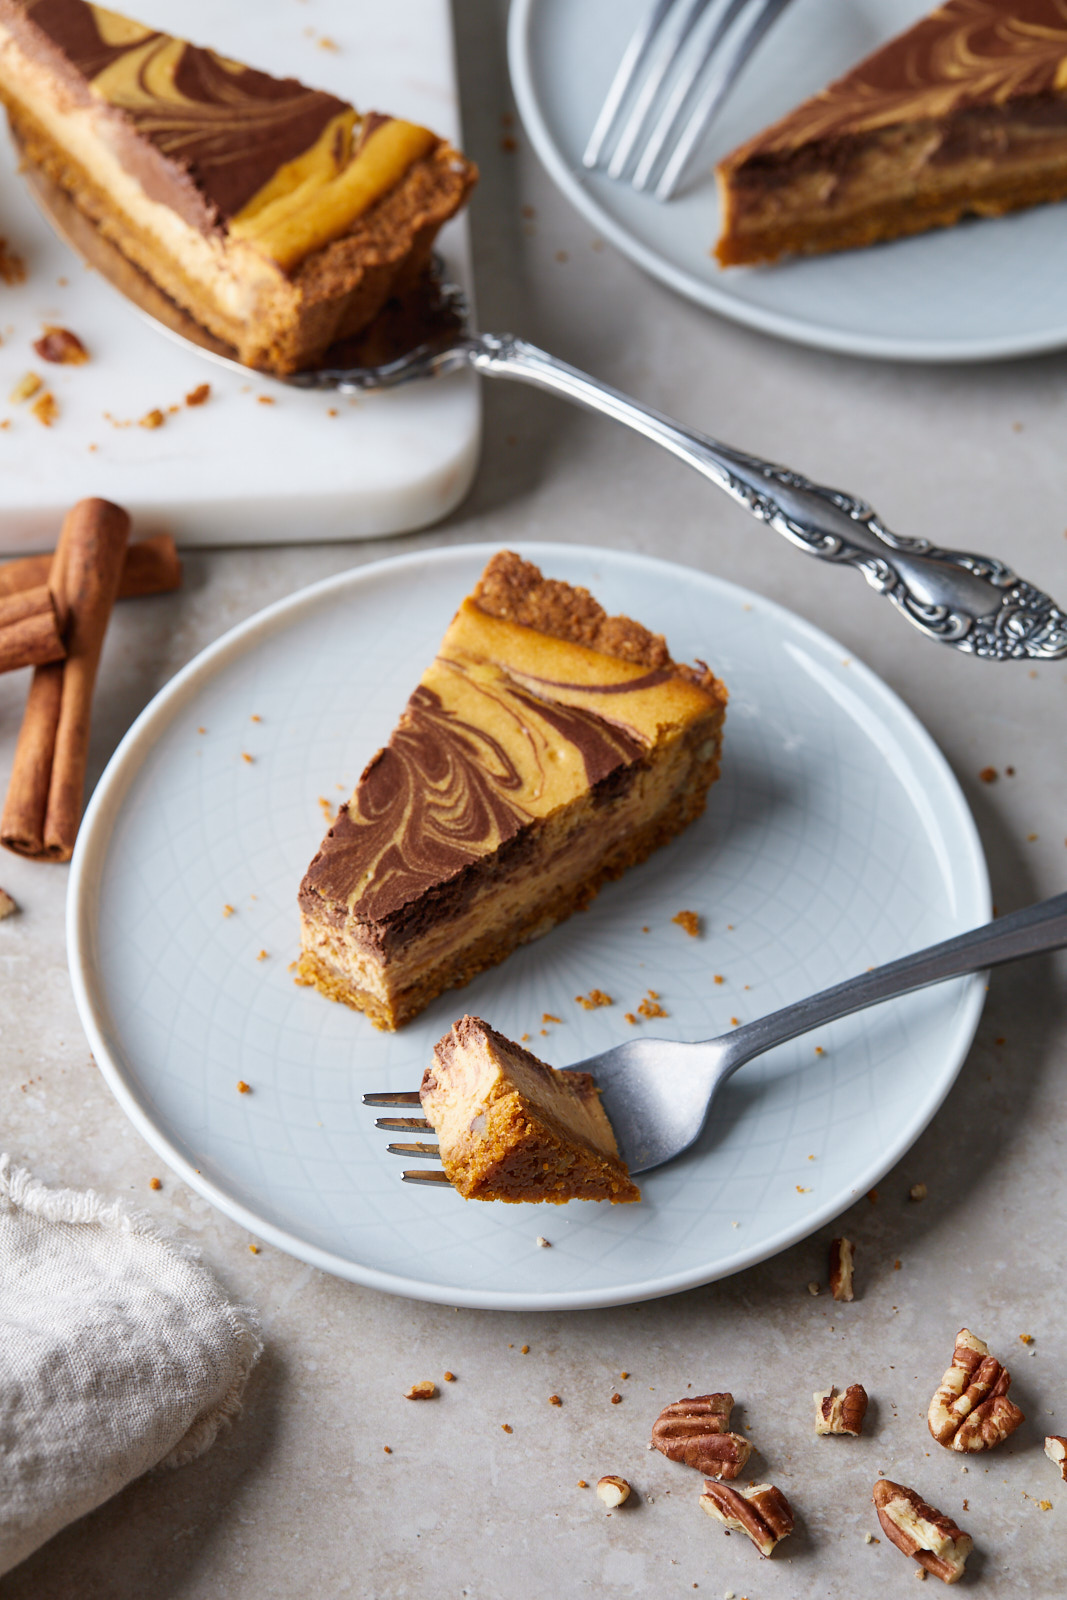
(976, 603)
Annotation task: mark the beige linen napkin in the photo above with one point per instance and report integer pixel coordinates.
(118, 1352)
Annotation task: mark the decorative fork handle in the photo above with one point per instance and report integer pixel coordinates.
(1030, 932)
(973, 602)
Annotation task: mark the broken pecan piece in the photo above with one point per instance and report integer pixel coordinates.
(61, 346)
(1056, 1450)
(970, 1410)
(761, 1511)
(842, 1260)
(841, 1413)
(697, 1431)
(918, 1530)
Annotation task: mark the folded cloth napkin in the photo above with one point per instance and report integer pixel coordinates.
(118, 1352)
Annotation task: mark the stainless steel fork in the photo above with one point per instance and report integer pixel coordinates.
(680, 64)
(658, 1092)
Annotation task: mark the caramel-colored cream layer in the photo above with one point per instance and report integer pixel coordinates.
(317, 198)
(508, 726)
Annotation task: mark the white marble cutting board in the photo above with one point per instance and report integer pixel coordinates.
(235, 471)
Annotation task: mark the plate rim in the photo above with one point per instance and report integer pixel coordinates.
(94, 840)
(797, 330)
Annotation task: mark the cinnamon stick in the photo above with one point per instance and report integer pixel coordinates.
(44, 799)
(29, 630)
(152, 567)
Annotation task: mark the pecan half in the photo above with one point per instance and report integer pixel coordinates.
(918, 1530)
(842, 1260)
(697, 1431)
(1056, 1450)
(841, 1413)
(970, 1410)
(761, 1511)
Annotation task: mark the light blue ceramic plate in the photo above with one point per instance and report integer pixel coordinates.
(837, 838)
(975, 292)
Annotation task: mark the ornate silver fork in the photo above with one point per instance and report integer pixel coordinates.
(674, 74)
(658, 1092)
(975, 603)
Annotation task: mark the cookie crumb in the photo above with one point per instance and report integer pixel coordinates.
(988, 775)
(243, 1087)
(690, 922)
(199, 396)
(12, 266)
(554, 1400)
(154, 1183)
(543, 1243)
(424, 1390)
(45, 409)
(152, 419)
(651, 1006)
(595, 998)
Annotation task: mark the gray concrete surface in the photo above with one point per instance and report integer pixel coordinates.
(300, 1499)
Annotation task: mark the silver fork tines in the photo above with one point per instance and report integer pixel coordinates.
(679, 66)
(657, 1092)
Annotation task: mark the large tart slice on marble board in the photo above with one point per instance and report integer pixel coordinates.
(546, 749)
(277, 215)
(964, 114)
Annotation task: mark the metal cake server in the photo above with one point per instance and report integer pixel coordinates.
(658, 1092)
(976, 603)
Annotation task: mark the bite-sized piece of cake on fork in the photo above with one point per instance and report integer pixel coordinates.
(510, 1127)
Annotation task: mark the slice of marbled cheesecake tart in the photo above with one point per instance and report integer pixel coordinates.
(547, 748)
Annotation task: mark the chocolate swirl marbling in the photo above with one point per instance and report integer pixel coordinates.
(227, 126)
(450, 788)
(967, 53)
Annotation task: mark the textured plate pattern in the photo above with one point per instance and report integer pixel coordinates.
(836, 839)
(982, 290)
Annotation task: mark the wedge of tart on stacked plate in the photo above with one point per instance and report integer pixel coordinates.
(964, 114)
